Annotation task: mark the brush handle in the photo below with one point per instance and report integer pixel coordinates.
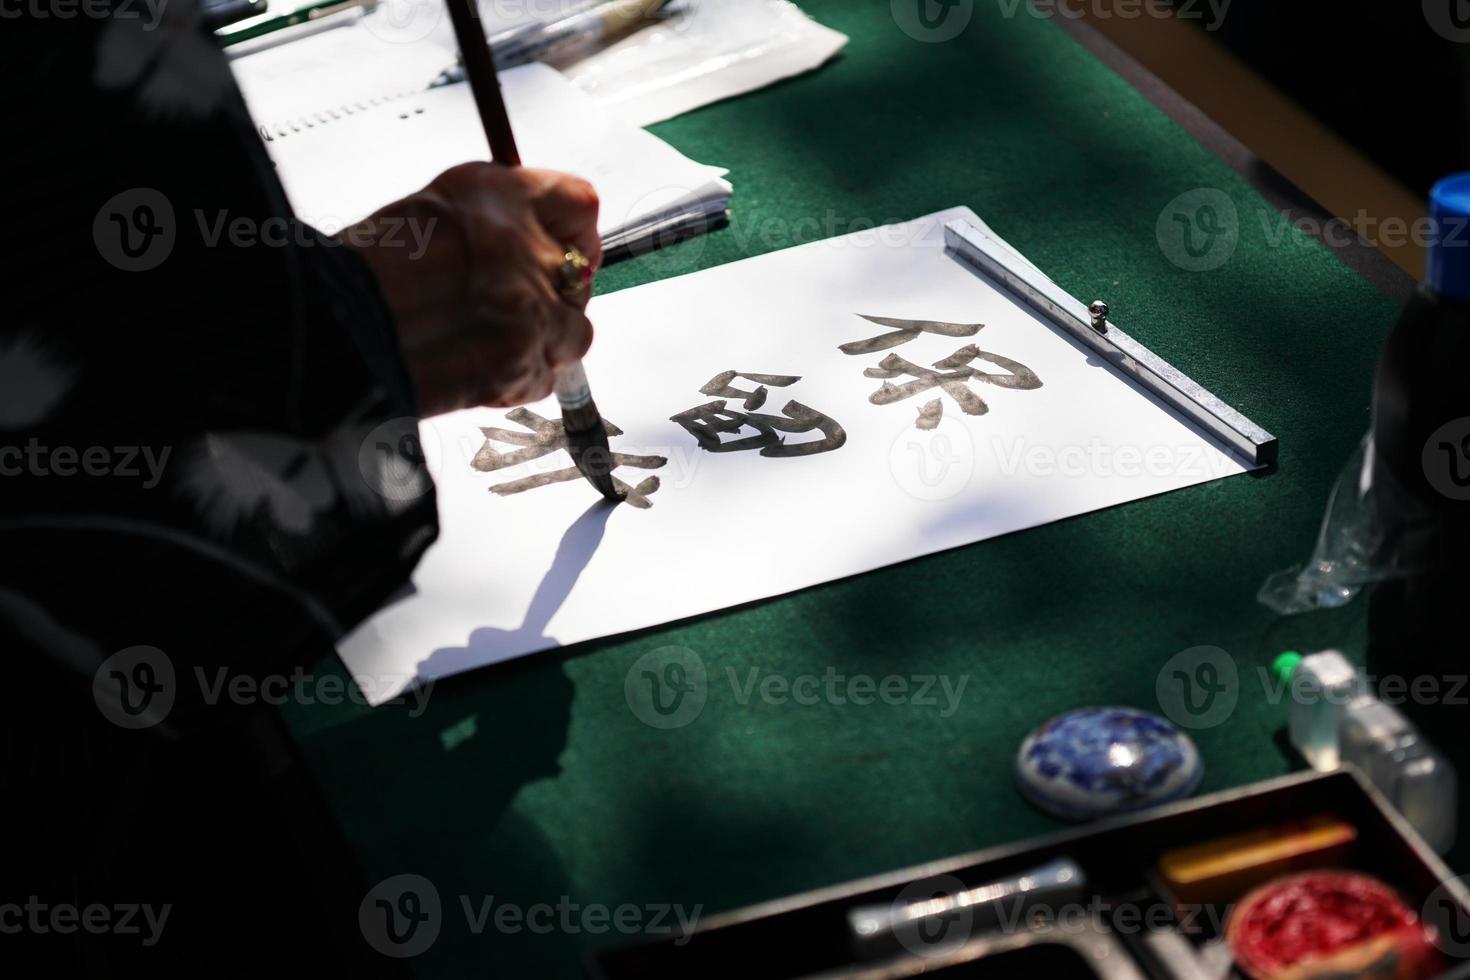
(479, 69)
(578, 410)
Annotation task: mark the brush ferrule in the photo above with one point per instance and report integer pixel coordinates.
(572, 390)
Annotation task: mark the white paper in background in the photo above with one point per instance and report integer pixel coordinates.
(341, 171)
(364, 58)
(706, 51)
(400, 46)
(511, 575)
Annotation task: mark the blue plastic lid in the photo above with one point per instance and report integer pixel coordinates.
(1449, 245)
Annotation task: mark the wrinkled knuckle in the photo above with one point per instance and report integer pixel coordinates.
(523, 183)
(459, 177)
(582, 193)
(432, 208)
(570, 342)
(510, 303)
(529, 364)
(493, 174)
(581, 337)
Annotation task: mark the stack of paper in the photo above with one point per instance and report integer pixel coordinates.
(347, 115)
(697, 52)
(704, 51)
(291, 79)
(339, 163)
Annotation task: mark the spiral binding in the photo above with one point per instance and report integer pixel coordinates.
(281, 130)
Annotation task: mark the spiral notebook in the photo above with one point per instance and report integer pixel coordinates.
(343, 159)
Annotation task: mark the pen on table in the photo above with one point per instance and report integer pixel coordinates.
(586, 436)
(313, 14)
(566, 38)
(222, 13)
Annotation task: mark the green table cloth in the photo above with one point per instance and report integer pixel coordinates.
(534, 784)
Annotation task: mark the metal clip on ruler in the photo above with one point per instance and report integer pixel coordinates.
(1089, 325)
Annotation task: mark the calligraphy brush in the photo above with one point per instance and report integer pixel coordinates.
(586, 437)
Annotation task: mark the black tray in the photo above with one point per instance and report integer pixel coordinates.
(808, 934)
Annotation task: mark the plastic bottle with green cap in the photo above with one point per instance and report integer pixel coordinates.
(1336, 720)
(1319, 688)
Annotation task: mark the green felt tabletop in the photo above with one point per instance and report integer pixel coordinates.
(534, 783)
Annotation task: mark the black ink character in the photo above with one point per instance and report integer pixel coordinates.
(954, 372)
(546, 437)
(719, 386)
(952, 378)
(930, 415)
(905, 331)
(706, 422)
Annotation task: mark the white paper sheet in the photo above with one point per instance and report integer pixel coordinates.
(512, 575)
(704, 51)
(360, 59)
(342, 170)
(399, 46)
(708, 51)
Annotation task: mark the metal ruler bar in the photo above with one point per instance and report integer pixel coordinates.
(1238, 434)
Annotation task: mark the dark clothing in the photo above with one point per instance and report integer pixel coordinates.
(205, 425)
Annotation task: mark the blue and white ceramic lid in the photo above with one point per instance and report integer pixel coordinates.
(1093, 762)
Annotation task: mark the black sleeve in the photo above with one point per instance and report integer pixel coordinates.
(207, 432)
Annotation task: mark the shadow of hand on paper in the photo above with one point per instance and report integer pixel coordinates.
(459, 750)
(493, 734)
(488, 645)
